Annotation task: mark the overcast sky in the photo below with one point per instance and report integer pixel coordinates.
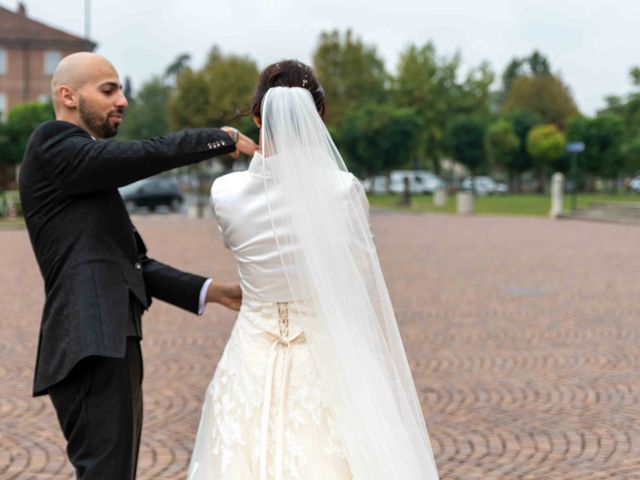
(591, 43)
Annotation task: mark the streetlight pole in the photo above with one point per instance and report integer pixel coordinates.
(87, 18)
(574, 148)
(574, 180)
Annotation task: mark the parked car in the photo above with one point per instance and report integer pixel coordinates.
(152, 193)
(420, 181)
(377, 184)
(635, 184)
(483, 185)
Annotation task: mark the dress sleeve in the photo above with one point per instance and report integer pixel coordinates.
(216, 202)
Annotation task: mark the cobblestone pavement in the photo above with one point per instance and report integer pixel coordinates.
(522, 336)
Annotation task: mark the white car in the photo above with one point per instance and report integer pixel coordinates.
(377, 184)
(420, 181)
(635, 184)
(485, 186)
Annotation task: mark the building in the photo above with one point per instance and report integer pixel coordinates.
(29, 53)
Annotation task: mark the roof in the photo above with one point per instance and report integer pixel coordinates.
(18, 29)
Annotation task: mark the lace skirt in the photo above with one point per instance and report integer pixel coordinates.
(265, 415)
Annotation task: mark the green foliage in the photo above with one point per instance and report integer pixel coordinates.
(603, 137)
(502, 145)
(528, 84)
(523, 121)
(465, 139)
(211, 96)
(519, 204)
(475, 92)
(147, 116)
(378, 138)
(429, 84)
(177, 66)
(351, 73)
(545, 95)
(535, 64)
(631, 152)
(15, 133)
(424, 82)
(545, 143)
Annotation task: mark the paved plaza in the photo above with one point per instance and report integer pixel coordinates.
(523, 337)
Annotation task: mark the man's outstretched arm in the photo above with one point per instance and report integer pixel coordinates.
(187, 290)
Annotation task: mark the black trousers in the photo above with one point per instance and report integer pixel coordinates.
(99, 406)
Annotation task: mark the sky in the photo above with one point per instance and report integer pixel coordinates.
(589, 42)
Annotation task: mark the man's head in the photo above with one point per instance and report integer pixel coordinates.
(86, 91)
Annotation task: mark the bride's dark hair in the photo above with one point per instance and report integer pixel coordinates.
(288, 73)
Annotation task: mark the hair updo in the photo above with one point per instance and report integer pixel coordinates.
(288, 73)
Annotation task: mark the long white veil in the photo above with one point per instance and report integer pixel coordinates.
(324, 237)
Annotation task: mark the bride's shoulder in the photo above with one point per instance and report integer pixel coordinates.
(229, 180)
(350, 181)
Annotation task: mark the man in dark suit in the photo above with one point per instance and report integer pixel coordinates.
(97, 275)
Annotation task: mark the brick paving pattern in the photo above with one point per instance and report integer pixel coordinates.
(522, 335)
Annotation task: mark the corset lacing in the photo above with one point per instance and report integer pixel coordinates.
(281, 345)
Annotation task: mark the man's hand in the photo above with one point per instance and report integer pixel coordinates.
(243, 143)
(227, 294)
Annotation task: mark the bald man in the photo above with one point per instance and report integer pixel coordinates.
(98, 278)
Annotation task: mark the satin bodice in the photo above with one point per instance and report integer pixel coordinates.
(246, 220)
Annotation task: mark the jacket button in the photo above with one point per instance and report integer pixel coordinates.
(138, 266)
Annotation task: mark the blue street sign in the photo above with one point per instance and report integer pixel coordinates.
(575, 147)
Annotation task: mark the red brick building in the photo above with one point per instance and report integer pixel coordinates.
(29, 53)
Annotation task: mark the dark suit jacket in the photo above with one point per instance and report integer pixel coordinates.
(90, 255)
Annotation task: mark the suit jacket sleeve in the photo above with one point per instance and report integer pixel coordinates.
(171, 285)
(79, 164)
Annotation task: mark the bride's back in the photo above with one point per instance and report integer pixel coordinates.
(246, 221)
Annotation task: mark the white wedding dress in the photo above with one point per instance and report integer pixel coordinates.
(314, 382)
(266, 402)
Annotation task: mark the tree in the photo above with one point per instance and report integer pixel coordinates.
(475, 91)
(603, 137)
(351, 73)
(465, 139)
(545, 95)
(502, 147)
(631, 152)
(425, 82)
(628, 109)
(607, 135)
(538, 64)
(429, 83)
(210, 97)
(535, 64)
(545, 144)
(523, 121)
(147, 116)
(177, 66)
(378, 138)
(14, 134)
(127, 90)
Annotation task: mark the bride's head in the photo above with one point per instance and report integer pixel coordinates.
(287, 73)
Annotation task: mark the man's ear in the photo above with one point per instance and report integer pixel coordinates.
(257, 120)
(68, 97)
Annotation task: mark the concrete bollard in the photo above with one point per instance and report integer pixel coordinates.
(557, 192)
(192, 210)
(440, 198)
(465, 203)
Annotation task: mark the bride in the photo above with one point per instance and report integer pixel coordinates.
(314, 382)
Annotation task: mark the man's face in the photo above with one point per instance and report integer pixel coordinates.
(101, 105)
